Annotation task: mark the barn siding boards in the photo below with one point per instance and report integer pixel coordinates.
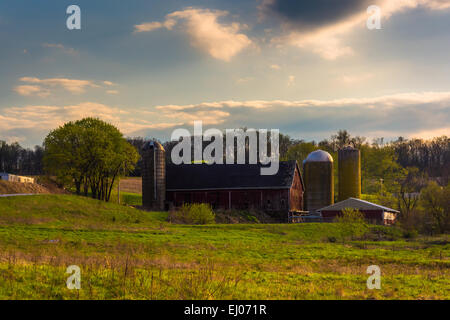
(273, 202)
(237, 187)
(296, 193)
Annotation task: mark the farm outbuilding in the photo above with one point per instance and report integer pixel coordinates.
(15, 178)
(372, 212)
(237, 187)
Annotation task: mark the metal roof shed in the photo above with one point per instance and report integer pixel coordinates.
(372, 212)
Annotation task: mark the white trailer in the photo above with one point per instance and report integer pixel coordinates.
(14, 178)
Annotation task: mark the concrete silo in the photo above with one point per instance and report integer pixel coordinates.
(153, 176)
(349, 167)
(319, 180)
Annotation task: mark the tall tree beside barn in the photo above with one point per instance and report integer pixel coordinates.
(90, 154)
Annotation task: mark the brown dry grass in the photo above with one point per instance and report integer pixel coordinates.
(7, 187)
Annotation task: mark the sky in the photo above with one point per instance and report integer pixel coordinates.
(307, 68)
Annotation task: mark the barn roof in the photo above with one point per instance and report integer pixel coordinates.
(356, 204)
(227, 176)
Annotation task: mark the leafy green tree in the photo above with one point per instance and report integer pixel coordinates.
(340, 140)
(409, 186)
(300, 151)
(379, 169)
(436, 203)
(89, 153)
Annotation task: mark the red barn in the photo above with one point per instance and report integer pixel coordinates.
(237, 187)
(372, 212)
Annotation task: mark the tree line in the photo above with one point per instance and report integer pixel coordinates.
(17, 160)
(429, 156)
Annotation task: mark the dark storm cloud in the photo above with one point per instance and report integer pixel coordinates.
(311, 14)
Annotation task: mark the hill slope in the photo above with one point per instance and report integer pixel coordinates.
(127, 253)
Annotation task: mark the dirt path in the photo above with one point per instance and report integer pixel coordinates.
(18, 195)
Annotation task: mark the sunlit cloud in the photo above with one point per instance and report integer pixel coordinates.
(38, 120)
(29, 90)
(323, 29)
(72, 85)
(414, 114)
(220, 40)
(403, 114)
(42, 87)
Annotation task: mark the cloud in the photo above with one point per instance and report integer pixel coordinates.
(414, 114)
(41, 87)
(150, 26)
(72, 85)
(207, 112)
(313, 14)
(321, 25)
(405, 114)
(33, 122)
(28, 90)
(210, 117)
(222, 41)
(395, 100)
(69, 51)
(42, 116)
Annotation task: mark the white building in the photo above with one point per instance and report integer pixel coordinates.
(13, 178)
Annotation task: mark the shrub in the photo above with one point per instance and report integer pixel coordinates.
(350, 216)
(196, 213)
(332, 239)
(410, 234)
(351, 224)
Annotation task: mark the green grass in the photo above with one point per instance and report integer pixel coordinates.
(127, 253)
(127, 198)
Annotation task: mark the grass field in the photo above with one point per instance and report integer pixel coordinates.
(125, 253)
